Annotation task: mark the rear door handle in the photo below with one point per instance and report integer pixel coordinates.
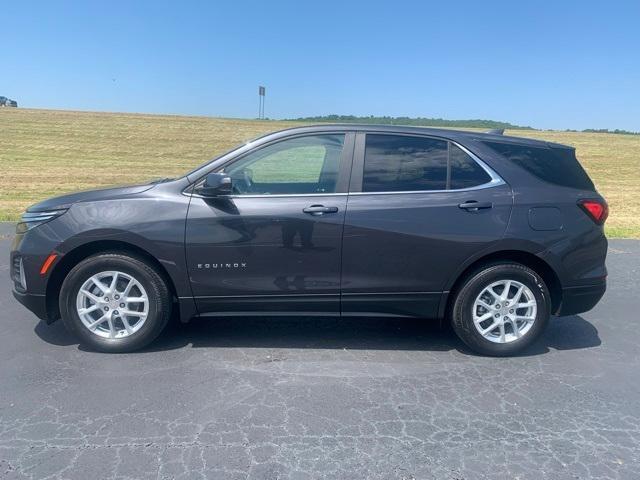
(474, 206)
(319, 210)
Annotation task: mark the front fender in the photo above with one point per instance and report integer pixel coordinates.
(155, 226)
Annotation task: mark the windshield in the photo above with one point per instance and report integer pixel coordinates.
(191, 172)
(237, 147)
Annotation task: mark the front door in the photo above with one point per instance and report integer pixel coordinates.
(274, 246)
(418, 209)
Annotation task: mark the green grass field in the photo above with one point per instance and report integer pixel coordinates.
(46, 152)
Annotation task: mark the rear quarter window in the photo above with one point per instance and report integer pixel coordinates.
(465, 171)
(555, 165)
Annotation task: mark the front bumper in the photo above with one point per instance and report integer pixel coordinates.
(36, 303)
(581, 299)
(31, 249)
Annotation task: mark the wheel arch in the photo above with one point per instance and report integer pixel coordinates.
(534, 262)
(73, 257)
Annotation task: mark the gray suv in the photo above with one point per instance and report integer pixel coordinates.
(492, 233)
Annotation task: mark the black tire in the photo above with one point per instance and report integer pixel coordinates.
(462, 310)
(157, 292)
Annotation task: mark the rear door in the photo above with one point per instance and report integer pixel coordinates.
(418, 208)
(274, 246)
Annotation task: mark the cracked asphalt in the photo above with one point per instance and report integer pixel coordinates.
(325, 398)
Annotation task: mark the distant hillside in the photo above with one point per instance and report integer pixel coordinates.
(606, 130)
(45, 152)
(419, 121)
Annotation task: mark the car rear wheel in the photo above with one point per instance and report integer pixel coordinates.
(115, 302)
(501, 309)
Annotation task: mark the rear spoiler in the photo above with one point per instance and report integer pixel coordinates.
(496, 131)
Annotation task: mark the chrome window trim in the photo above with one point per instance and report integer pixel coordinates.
(278, 195)
(496, 180)
(490, 184)
(251, 148)
(492, 173)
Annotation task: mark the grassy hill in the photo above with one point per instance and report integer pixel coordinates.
(46, 152)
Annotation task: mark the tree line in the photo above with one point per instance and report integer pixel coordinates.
(417, 121)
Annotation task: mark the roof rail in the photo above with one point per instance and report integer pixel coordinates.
(496, 131)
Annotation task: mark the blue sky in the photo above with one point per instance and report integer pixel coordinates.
(556, 64)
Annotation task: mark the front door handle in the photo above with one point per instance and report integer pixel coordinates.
(474, 206)
(319, 210)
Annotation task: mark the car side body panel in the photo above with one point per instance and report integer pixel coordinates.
(264, 254)
(406, 245)
(400, 253)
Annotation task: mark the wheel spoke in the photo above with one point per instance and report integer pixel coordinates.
(128, 287)
(505, 292)
(502, 332)
(132, 313)
(90, 309)
(495, 296)
(518, 294)
(484, 317)
(94, 325)
(484, 304)
(135, 299)
(490, 328)
(525, 305)
(514, 325)
(114, 282)
(91, 296)
(98, 283)
(126, 324)
(112, 328)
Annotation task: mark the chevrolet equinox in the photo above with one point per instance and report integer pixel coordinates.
(492, 233)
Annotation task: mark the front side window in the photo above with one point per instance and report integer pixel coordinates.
(300, 165)
(397, 163)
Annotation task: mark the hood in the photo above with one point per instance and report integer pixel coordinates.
(65, 201)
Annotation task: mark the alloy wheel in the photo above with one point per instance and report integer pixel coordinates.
(112, 304)
(504, 311)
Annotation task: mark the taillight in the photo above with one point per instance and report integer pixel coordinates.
(597, 210)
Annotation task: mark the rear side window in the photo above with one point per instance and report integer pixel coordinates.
(399, 163)
(551, 164)
(394, 163)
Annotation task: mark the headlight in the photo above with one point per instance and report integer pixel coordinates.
(32, 219)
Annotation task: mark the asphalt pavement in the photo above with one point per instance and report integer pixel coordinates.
(306, 398)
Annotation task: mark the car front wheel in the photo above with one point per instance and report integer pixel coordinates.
(115, 302)
(501, 309)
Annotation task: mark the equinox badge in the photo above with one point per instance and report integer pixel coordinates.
(221, 265)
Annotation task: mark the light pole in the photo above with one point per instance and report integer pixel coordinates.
(261, 95)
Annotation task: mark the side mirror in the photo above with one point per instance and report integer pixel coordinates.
(215, 184)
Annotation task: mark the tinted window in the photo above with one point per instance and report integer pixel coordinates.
(395, 163)
(295, 166)
(554, 165)
(465, 171)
